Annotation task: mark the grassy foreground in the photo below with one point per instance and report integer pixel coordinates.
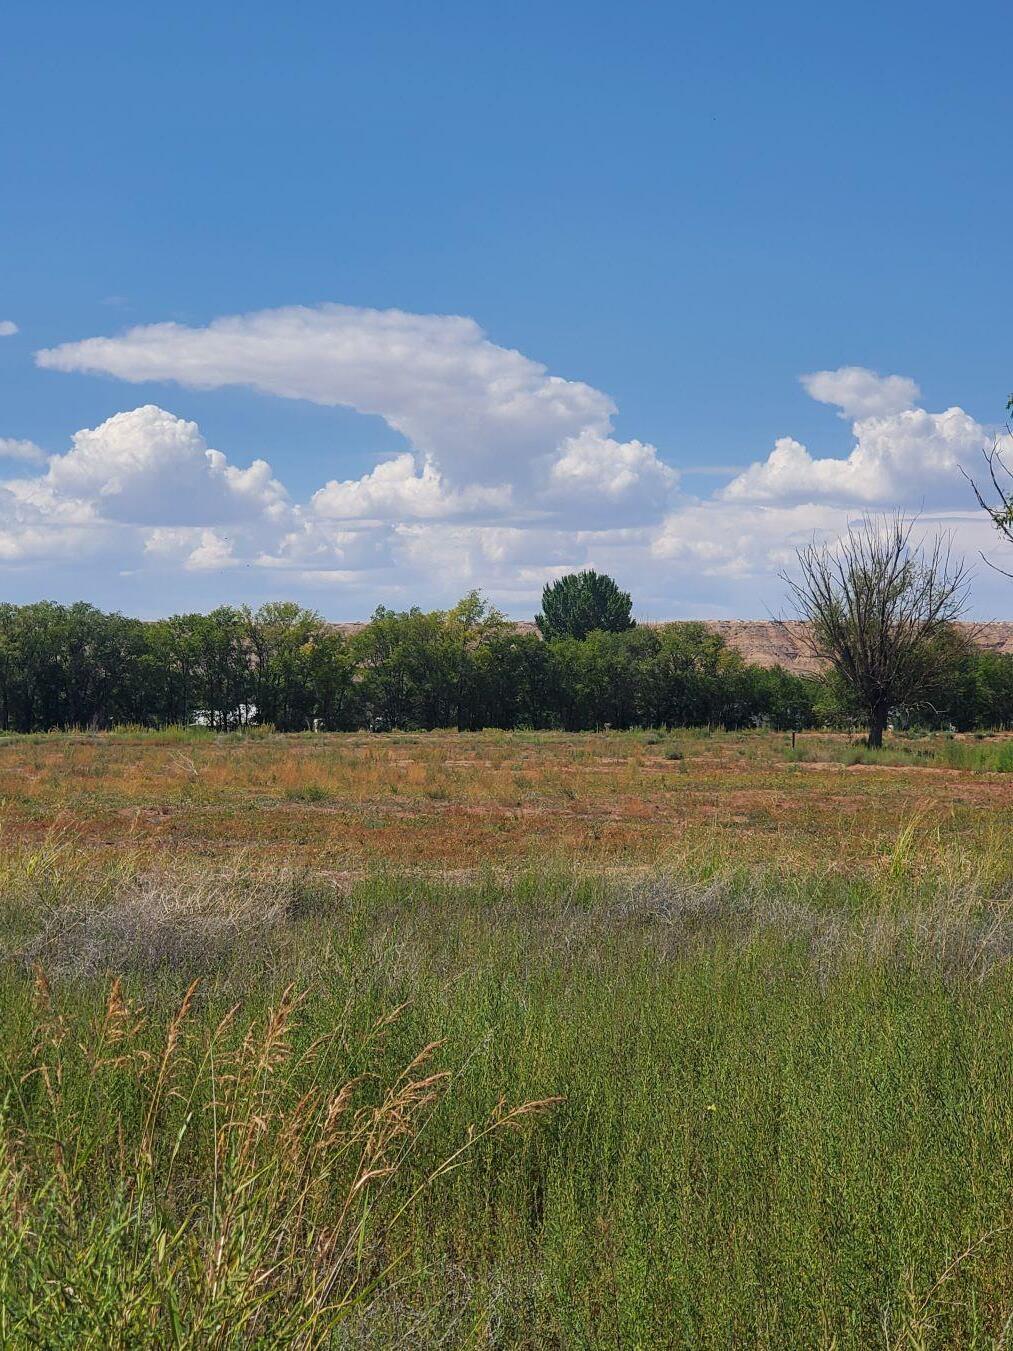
(696, 1106)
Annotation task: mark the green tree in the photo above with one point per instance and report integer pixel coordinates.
(599, 679)
(330, 671)
(993, 689)
(409, 673)
(776, 698)
(512, 682)
(582, 602)
(280, 637)
(222, 666)
(173, 652)
(43, 672)
(689, 677)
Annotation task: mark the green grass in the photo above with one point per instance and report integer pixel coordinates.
(932, 750)
(785, 1110)
(311, 792)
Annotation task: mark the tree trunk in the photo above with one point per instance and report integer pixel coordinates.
(877, 726)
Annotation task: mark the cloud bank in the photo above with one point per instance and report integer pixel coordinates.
(509, 474)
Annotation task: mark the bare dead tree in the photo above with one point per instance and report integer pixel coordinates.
(999, 508)
(875, 605)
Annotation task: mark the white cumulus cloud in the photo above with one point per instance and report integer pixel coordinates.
(860, 393)
(906, 458)
(148, 467)
(474, 407)
(397, 490)
(8, 328)
(195, 549)
(36, 527)
(11, 448)
(599, 476)
(141, 485)
(488, 428)
(739, 541)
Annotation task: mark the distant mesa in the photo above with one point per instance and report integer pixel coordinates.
(767, 643)
(763, 642)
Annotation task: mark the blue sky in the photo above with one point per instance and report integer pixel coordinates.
(681, 210)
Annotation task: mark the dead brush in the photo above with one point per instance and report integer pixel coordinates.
(209, 1185)
(132, 921)
(959, 925)
(964, 929)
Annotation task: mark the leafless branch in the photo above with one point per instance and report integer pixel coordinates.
(873, 604)
(998, 505)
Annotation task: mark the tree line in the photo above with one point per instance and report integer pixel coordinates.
(466, 667)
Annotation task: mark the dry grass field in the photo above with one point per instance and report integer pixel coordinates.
(456, 801)
(505, 1040)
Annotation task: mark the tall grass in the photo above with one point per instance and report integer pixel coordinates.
(704, 1108)
(210, 1182)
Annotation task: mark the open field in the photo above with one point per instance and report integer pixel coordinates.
(505, 1040)
(448, 800)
